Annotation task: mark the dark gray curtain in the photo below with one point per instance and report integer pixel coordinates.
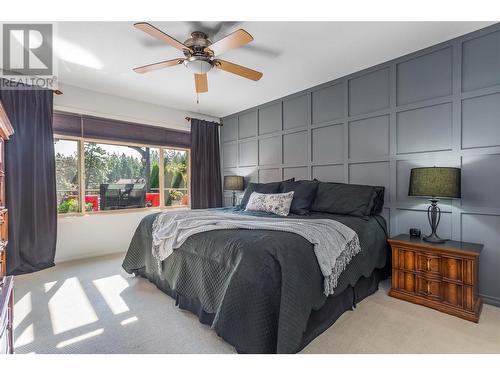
(206, 180)
(31, 182)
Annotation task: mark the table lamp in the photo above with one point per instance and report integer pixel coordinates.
(435, 182)
(234, 183)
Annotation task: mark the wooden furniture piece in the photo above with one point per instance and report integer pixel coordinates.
(441, 276)
(6, 315)
(6, 132)
(6, 283)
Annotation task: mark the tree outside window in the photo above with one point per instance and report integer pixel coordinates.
(119, 176)
(176, 177)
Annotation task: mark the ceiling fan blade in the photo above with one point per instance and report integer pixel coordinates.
(238, 69)
(158, 34)
(234, 40)
(158, 65)
(201, 82)
(213, 29)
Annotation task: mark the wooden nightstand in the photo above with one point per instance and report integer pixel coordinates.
(441, 276)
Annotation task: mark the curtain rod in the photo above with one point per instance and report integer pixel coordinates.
(189, 119)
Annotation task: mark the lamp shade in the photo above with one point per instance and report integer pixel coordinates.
(440, 182)
(233, 182)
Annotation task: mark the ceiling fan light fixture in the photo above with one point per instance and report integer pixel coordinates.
(201, 55)
(198, 64)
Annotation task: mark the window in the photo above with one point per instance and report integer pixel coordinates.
(118, 176)
(67, 176)
(176, 177)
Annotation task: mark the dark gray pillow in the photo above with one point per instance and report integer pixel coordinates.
(378, 201)
(348, 199)
(303, 197)
(263, 188)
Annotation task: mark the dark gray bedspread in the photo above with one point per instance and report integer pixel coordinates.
(261, 284)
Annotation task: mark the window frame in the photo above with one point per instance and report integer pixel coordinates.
(161, 187)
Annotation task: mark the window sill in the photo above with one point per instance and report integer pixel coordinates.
(124, 211)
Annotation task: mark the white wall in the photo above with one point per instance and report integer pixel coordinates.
(98, 234)
(95, 234)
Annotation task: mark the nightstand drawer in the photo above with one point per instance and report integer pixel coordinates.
(428, 263)
(435, 289)
(428, 288)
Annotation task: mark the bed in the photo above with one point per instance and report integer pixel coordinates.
(261, 290)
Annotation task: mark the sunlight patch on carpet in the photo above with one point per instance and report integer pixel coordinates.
(124, 322)
(80, 338)
(110, 288)
(70, 307)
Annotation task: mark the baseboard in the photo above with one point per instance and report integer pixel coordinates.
(86, 255)
(490, 300)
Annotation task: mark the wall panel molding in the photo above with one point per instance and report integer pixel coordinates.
(438, 106)
(425, 129)
(425, 77)
(369, 137)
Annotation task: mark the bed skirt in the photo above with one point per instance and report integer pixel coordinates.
(322, 319)
(319, 320)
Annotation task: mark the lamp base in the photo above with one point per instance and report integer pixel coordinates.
(434, 238)
(434, 216)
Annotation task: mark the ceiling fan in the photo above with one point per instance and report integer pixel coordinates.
(201, 54)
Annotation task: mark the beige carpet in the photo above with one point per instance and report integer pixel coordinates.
(93, 306)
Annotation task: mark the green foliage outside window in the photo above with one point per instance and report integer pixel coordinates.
(155, 177)
(176, 175)
(104, 166)
(70, 205)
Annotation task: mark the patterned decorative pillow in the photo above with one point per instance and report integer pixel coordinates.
(278, 204)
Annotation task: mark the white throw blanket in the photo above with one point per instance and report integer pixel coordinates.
(334, 243)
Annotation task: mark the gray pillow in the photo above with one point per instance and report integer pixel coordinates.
(305, 191)
(348, 199)
(378, 201)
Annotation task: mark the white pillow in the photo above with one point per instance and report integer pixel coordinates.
(278, 204)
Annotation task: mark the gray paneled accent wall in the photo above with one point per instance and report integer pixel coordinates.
(439, 106)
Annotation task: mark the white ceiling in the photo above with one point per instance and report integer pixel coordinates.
(292, 55)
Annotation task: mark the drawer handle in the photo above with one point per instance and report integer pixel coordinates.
(428, 287)
(428, 264)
